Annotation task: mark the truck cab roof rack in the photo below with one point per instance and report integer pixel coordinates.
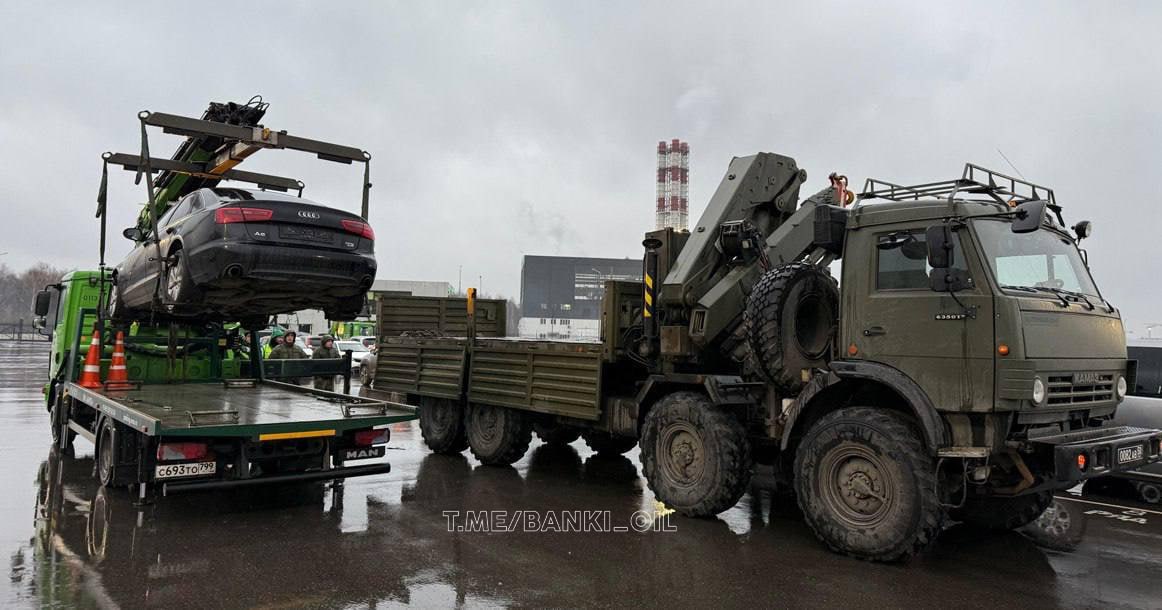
(975, 180)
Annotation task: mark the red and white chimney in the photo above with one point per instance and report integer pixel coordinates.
(673, 192)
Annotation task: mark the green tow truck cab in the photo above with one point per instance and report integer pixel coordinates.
(201, 410)
(966, 369)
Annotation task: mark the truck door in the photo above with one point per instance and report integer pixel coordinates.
(943, 345)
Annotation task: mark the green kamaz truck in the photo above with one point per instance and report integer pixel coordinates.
(966, 368)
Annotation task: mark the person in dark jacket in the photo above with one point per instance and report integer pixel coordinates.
(326, 349)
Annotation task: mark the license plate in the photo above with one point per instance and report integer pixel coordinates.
(195, 469)
(306, 234)
(363, 453)
(1129, 454)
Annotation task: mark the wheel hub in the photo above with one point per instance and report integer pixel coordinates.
(684, 454)
(855, 485)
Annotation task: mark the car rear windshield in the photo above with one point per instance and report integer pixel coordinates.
(354, 346)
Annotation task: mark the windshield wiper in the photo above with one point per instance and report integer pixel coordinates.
(1085, 297)
(1053, 291)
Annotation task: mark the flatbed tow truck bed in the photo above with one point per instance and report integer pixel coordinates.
(250, 410)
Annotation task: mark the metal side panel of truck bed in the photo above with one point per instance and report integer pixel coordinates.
(237, 410)
(555, 377)
(422, 366)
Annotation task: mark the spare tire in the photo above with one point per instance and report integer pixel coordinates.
(791, 319)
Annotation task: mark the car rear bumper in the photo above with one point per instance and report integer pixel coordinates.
(225, 263)
(1105, 450)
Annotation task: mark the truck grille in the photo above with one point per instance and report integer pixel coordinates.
(1065, 390)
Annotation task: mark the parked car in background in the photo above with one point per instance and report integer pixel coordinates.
(243, 254)
(358, 353)
(368, 341)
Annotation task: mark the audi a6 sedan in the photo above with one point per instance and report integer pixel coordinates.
(244, 254)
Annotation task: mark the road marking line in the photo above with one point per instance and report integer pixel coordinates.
(1144, 510)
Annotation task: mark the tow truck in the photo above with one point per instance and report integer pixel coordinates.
(969, 368)
(202, 409)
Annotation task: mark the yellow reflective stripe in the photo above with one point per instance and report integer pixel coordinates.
(646, 314)
(278, 436)
(649, 299)
(649, 281)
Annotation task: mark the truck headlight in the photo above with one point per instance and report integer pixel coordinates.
(1038, 391)
(1121, 387)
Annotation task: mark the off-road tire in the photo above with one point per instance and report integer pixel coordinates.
(556, 434)
(604, 443)
(791, 319)
(442, 425)
(1002, 513)
(695, 456)
(866, 485)
(498, 436)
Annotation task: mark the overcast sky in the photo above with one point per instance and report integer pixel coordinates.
(499, 130)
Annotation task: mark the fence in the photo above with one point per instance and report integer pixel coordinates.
(20, 331)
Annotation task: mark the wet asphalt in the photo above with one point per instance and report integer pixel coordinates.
(384, 541)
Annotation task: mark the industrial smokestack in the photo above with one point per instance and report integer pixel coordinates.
(673, 192)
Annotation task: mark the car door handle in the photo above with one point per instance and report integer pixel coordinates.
(874, 331)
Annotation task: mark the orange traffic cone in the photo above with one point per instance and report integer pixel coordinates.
(91, 374)
(118, 374)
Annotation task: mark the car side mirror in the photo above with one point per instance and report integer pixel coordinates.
(1083, 229)
(133, 233)
(941, 248)
(1028, 217)
(42, 303)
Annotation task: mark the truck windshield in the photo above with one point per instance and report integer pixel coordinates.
(1042, 259)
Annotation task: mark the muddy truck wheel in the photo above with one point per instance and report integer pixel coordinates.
(604, 443)
(866, 485)
(498, 436)
(790, 318)
(556, 434)
(696, 456)
(442, 425)
(998, 513)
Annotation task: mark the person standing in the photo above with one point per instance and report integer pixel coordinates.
(288, 350)
(328, 350)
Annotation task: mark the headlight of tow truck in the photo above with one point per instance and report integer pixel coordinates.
(1121, 387)
(1038, 391)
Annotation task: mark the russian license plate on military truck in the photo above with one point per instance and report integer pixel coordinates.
(1129, 454)
(194, 469)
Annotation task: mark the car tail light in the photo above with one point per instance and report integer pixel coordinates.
(181, 451)
(364, 438)
(224, 216)
(359, 228)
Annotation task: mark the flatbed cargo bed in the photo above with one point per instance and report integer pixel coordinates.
(237, 409)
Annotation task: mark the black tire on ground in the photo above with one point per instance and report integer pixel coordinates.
(556, 434)
(178, 289)
(56, 417)
(498, 436)
(1002, 513)
(695, 456)
(442, 425)
(791, 318)
(107, 454)
(867, 486)
(604, 443)
(1150, 492)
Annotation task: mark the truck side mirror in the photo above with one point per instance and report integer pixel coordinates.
(133, 233)
(941, 249)
(42, 303)
(1028, 217)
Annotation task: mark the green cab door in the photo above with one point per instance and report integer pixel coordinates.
(943, 343)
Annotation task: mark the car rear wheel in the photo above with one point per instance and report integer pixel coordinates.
(179, 288)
